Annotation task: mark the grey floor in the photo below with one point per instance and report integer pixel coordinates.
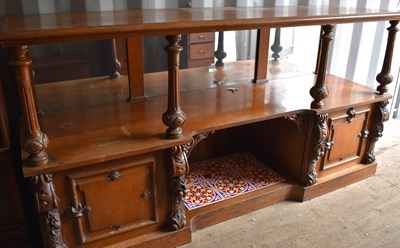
(364, 214)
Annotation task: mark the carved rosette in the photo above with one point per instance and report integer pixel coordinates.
(319, 144)
(178, 188)
(34, 140)
(173, 117)
(385, 77)
(319, 91)
(380, 116)
(47, 208)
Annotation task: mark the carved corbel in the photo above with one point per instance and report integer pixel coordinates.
(178, 187)
(319, 144)
(47, 207)
(298, 120)
(195, 140)
(380, 116)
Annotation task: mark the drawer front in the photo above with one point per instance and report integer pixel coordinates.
(347, 136)
(201, 51)
(114, 200)
(201, 37)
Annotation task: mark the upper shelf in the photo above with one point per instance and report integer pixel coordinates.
(47, 28)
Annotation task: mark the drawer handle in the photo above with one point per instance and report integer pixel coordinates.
(80, 210)
(201, 37)
(363, 134)
(202, 51)
(351, 114)
(329, 144)
(114, 176)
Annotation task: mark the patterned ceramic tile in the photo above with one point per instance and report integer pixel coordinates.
(225, 177)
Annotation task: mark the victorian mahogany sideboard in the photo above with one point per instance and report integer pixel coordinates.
(109, 172)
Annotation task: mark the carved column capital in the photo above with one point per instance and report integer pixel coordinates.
(47, 207)
(319, 134)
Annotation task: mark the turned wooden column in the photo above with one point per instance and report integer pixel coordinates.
(115, 64)
(220, 54)
(276, 47)
(174, 117)
(319, 91)
(47, 209)
(34, 141)
(385, 77)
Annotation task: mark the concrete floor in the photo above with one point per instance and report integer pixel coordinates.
(364, 214)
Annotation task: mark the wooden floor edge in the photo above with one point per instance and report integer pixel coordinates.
(163, 239)
(337, 180)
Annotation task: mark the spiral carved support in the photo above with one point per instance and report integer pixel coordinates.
(319, 91)
(385, 77)
(178, 187)
(381, 115)
(47, 207)
(174, 117)
(319, 144)
(34, 141)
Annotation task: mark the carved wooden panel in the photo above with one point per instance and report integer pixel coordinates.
(346, 138)
(113, 200)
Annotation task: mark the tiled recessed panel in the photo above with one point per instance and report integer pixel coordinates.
(225, 177)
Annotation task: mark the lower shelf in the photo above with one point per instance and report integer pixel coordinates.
(222, 178)
(279, 189)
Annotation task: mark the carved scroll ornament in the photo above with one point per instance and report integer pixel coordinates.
(178, 188)
(381, 115)
(47, 208)
(180, 167)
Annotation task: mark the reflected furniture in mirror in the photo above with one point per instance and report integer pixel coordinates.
(187, 153)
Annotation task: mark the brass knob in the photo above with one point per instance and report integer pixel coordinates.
(201, 37)
(202, 51)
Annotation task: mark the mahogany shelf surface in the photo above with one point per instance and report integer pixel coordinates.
(102, 90)
(112, 131)
(45, 28)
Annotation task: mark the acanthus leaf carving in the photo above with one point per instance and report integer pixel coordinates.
(47, 208)
(319, 144)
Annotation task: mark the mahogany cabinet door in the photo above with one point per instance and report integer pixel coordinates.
(114, 199)
(346, 139)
